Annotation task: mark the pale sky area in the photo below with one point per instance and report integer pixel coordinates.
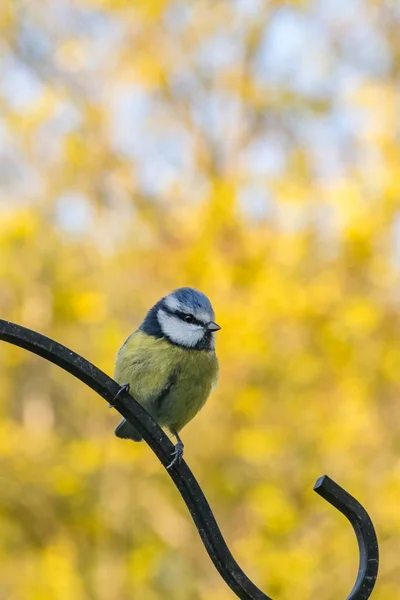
(318, 56)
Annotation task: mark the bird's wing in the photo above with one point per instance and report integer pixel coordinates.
(159, 399)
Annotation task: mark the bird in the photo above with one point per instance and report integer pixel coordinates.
(169, 364)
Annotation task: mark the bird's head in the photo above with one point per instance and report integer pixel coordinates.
(185, 317)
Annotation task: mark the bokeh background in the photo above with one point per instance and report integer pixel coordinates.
(251, 149)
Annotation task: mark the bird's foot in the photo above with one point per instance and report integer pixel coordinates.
(124, 388)
(177, 454)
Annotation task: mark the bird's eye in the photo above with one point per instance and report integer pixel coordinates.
(188, 319)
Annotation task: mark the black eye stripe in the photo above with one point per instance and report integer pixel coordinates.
(183, 316)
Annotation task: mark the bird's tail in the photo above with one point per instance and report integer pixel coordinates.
(126, 431)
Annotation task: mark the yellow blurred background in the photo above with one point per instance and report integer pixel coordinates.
(248, 148)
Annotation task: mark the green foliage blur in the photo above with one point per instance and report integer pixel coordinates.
(247, 148)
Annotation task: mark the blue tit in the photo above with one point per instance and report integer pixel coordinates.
(169, 363)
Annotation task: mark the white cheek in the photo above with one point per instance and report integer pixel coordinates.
(185, 334)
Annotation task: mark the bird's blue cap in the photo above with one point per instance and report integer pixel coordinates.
(194, 299)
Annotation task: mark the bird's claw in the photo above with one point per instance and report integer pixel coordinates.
(177, 454)
(124, 388)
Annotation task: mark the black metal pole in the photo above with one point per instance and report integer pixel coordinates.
(364, 530)
(184, 479)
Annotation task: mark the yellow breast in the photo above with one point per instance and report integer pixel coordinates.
(150, 364)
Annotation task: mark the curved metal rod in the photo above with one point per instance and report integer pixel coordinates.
(181, 475)
(364, 530)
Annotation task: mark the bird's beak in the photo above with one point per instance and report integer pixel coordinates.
(212, 326)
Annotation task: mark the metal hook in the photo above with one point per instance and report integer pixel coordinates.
(364, 530)
(185, 481)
